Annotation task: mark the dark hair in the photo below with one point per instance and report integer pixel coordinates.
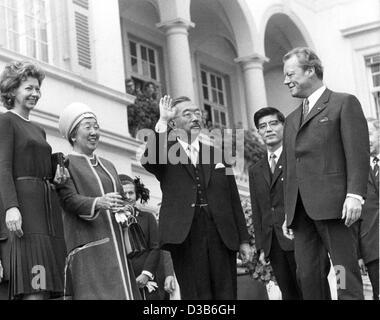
(268, 111)
(180, 100)
(72, 134)
(307, 58)
(13, 75)
(142, 193)
(147, 84)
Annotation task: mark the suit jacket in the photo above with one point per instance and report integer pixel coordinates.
(369, 224)
(148, 260)
(326, 157)
(179, 194)
(267, 200)
(167, 263)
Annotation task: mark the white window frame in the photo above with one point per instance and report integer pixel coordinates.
(140, 72)
(375, 91)
(216, 106)
(22, 35)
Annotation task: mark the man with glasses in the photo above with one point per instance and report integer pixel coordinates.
(202, 223)
(267, 200)
(326, 151)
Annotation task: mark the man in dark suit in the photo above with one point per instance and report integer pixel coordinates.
(369, 224)
(267, 199)
(326, 157)
(202, 223)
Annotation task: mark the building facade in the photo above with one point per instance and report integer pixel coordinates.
(224, 54)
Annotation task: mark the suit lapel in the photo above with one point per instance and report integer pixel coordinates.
(206, 166)
(320, 105)
(265, 169)
(277, 171)
(296, 118)
(189, 167)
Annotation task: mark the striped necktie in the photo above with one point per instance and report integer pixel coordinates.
(305, 109)
(272, 162)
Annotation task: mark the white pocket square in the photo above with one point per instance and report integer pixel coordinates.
(219, 166)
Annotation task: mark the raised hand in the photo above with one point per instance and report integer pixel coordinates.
(167, 112)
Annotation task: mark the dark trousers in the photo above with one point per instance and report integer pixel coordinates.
(373, 274)
(4, 292)
(284, 268)
(313, 239)
(205, 268)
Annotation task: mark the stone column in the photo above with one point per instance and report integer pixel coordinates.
(180, 70)
(255, 92)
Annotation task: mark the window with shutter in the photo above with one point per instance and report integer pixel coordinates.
(24, 27)
(373, 65)
(82, 33)
(214, 98)
(143, 60)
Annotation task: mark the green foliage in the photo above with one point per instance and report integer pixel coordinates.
(257, 270)
(143, 114)
(253, 148)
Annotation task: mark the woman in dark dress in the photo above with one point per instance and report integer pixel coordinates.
(145, 264)
(32, 244)
(101, 271)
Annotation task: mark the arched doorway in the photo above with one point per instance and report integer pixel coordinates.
(223, 32)
(142, 43)
(281, 35)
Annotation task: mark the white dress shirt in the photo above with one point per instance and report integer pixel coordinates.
(313, 98)
(161, 126)
(277, 153)
(193, 146)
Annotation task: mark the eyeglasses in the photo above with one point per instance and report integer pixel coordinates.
(272, 124)
(187, 114)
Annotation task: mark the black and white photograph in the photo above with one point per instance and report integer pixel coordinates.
(198, 154)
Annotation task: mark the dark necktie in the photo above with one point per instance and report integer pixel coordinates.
(305, 109)
(375, 168)
(272, 162)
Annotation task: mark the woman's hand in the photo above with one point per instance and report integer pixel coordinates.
(122, 213)
(61, 175)
(142, 280)
(110, 201)
(13, 221)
